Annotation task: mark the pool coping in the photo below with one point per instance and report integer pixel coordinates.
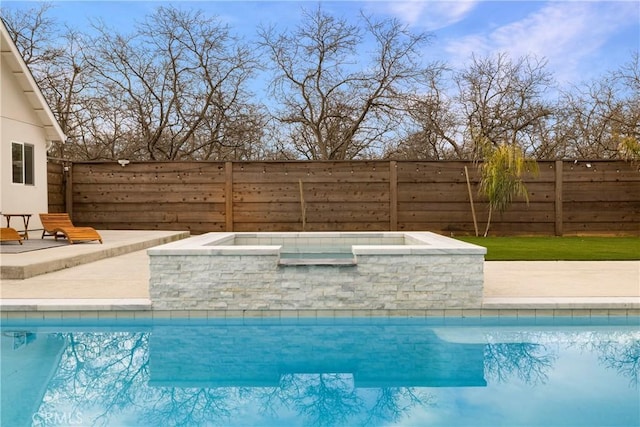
(221, 244)
(142, 309)
(522, 303)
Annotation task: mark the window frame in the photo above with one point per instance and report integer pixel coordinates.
(23, 163)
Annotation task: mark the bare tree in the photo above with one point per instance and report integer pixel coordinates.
(587, 121)
(182, 79)
(330, 108)
(495, 100)
(601, 118)
(502, 100)
(176, 88)
(58, 68)
(67, 82)
(439, 129)
(32, 31)
(628, 78)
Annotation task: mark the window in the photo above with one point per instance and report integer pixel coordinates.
(22, 157)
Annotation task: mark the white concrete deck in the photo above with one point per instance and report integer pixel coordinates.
(119, 280)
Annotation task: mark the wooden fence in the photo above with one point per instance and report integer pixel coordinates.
(565, 198)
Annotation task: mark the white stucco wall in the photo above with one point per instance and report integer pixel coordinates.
(19, 123)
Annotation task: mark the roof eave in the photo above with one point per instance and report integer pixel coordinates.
(53, 131)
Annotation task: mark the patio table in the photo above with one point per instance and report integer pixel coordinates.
(25, 221)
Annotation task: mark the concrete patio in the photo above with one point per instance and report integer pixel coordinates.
(113, 277)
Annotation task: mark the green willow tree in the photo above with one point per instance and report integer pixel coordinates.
(629, 149)
(502, 176)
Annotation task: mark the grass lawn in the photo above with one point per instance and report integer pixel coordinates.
(558, 248)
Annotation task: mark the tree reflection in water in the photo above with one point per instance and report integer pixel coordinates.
(332, 399)
(527, 361)
(620, 352)
(109, 372)
(106, 370)
(188, 406)
(106, 376)
(532, 359)
(625, 359)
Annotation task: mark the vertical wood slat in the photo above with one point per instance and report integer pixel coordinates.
(228, 195)
(55, 187)
(67, 171)
(393, 195)
(558, 198)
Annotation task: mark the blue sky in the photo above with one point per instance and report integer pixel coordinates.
(580, 39)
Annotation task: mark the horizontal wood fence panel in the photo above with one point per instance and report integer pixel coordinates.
(436, 191)
(461, 207)
(600, 192)
(626, 208)
(599, 171)
(130, 187)
(175, 173)
(177, 196)
(599, 216)
(417, 173)
(340, 176)
(192, 227)
(152, 179)
(266, 217)
(142, 207)
(324, 226)
(56, 198)
(132, 217)
(151, 167)
(508, 216)
(604, 228)
(466, 228)
(605, 176)
(313, 214)
(565, 197)
(330, 192)
(434, 172)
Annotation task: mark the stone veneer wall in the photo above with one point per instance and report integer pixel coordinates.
(257, 282)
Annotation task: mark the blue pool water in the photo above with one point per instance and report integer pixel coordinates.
(340, 372)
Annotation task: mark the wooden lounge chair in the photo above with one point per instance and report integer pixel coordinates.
(10, 235)
(60, 225)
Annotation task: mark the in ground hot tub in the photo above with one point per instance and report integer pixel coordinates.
(316, 271)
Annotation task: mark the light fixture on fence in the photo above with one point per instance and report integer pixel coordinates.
(123, 162)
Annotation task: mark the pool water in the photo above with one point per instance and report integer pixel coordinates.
(322, 372)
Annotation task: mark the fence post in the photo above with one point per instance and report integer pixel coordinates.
(67, 173)
(558, 197)
(393, 195)
(228, 195)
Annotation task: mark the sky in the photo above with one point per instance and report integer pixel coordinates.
(580, 40)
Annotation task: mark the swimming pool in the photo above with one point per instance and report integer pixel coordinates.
(338, 372)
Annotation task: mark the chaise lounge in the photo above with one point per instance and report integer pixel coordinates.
(60, 225)
(8, 234)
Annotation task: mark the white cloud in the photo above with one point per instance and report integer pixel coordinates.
(565, 33)
(430, 15)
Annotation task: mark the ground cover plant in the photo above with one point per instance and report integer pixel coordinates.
(558, 248)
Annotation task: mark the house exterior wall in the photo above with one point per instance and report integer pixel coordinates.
(19, 123)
